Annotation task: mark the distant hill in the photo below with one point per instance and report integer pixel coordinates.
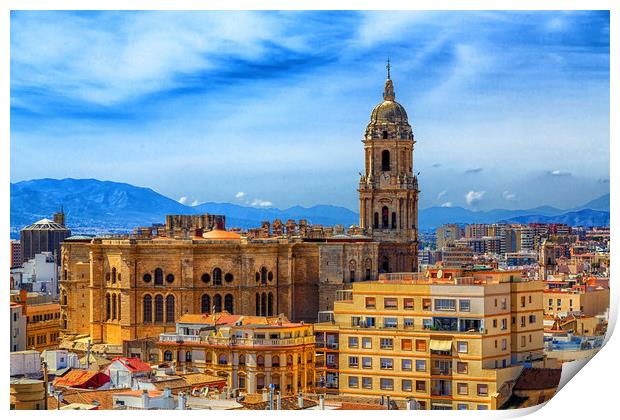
(104, 206)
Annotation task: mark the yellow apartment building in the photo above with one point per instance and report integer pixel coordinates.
(42, 326)
(252, 352)
(450, 339)
(587, 300)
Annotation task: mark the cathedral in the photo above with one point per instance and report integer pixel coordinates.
(123, 288)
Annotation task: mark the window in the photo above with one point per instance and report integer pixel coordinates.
(461, 367)
(445, 304)
(217, 276)
(408, 322)
(483, 390)
(353, 342)
(407, 385)
(205, 304)
(420, 345)
(461, 346)
(366, 382)
(159, 277)
(386, 384)
(504, 344)
(206, 278)
(522, 301)
(522, 341)
(482, 407)
(464, 305)
(523, 321)
(420, 365)
(406, 364)
(366, 342)
(367, 362)
(353, 361)
(408, 303)
(504, 324)
(168, 356)
(390, 303)
(354, 382)
(369, 321)
(495, 323)
(462, 406)
(159, 308)
(228, 303)
(426, 304)
(387, 363)
(532, 319)
(390, 322)
(427, 323)
(222, 359)
(170, 308)
(371, 302)
(462, 388)
(420, 386)
(356, 321)
(385, 157)
(107, 306)
(228, 277)
(406, 344)
(217, 303)
(387, 344)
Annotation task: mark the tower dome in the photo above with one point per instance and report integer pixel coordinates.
(388, 111)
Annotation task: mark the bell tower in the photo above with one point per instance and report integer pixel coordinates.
(388, 189)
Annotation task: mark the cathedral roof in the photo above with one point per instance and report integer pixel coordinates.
(389, 110)
(221, 235)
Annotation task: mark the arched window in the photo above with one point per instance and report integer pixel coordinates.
(146, 278)
(170, 308)
(222, 359)
(64, 298)
(188, 356)
(385, 160)
(167, 356)
(270, 304)
(206, 278)
(159, 308)
(159, 277)
(217, 276)
(376, 221)
(205, 304)
(147, 308)
(228, 303)
(113, 274)
(385, 216)
(263, 304)
(257, 304)
(113, 306)
(257, 276)
(263, 275)
(119, 306)
(229, 277)
(260, 361)
(384, 134)
(275, 361)
(64, 322)
(107, 306)
(241, 360)
(107, 276)
(289, 360)
(270, 276)
(170, 278)
(217, 302)
(393, 220)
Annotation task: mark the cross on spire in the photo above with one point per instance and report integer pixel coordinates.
(388, 67)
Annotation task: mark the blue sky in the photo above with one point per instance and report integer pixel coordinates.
(509, 109)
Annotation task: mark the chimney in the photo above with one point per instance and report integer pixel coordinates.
(182, 402)
(321, 402)
(145, 399)
(279, 401)
(300, 401)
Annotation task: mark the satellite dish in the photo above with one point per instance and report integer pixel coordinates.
(439, 274)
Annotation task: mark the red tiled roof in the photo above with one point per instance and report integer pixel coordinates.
(78, 378)
(133, 364)
(139, 392)
(104, 398)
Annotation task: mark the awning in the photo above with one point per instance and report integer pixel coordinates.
(441, 345)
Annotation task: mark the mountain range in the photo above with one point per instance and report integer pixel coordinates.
(96, 206)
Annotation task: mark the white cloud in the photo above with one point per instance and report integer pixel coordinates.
(257, 202)
(239, 195)
(558, 173)
(442, 194)
(182, 200)
(472, 197)
(510, 196)
(195, 203)
(447, 204)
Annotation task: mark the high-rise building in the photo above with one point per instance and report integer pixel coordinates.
(448, 233)
(16, 254)
(43, 236)
(450, 339)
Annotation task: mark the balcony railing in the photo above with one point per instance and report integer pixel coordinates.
(236, 341)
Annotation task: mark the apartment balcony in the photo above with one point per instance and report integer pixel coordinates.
(235, 341)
